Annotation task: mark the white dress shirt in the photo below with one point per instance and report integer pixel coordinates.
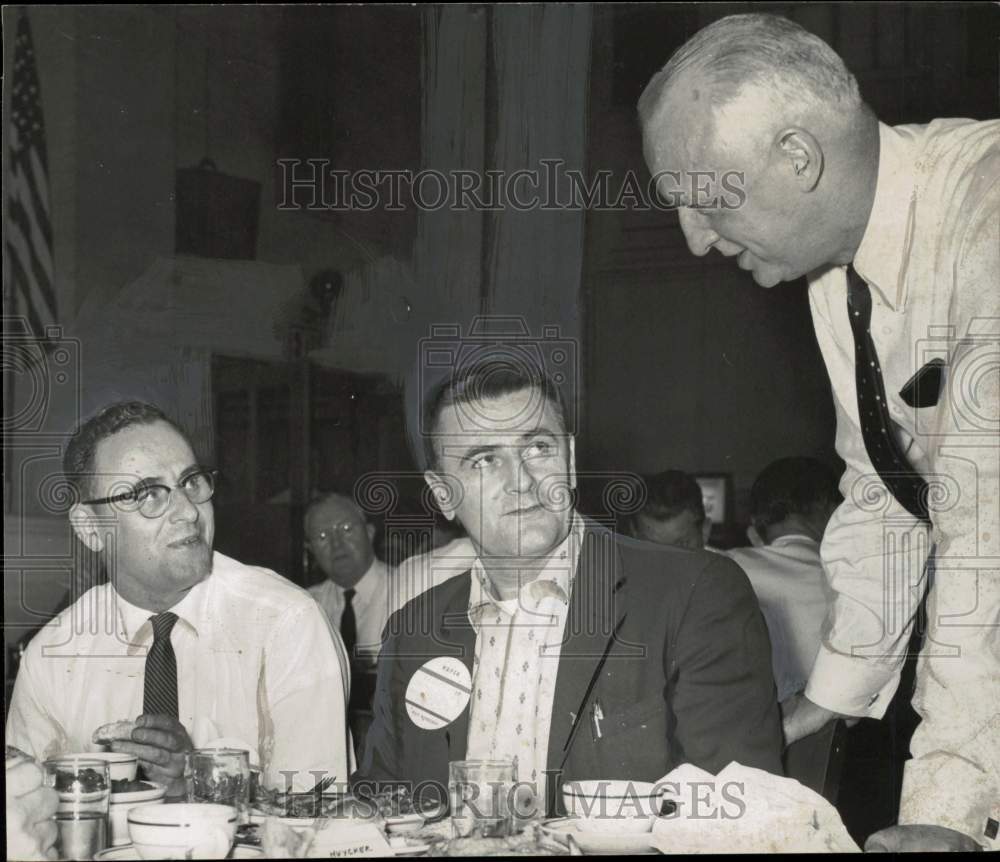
(371, 607)
(514, 669)
(931, 254)
(257, 667)
(788, 578)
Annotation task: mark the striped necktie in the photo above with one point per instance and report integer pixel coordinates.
(903, 482)
(159, 696)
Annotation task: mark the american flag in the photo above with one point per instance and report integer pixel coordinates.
(28, 236)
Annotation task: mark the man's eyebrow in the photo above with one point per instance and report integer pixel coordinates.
(145, 481)
(473, 451)
(521, 437)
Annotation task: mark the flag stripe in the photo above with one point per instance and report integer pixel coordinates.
(37, 175)
(22, 291)
(39, 295)
(39, 182)
(26, 216)
(28, 209)
(20, 233)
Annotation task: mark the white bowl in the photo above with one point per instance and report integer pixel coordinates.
(122, 766)
(197, 830)
(613, 806)
(122, 803)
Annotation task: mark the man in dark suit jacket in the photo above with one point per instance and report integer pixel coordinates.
(664, 655)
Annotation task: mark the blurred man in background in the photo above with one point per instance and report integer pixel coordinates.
(674, 512)
(791, 502)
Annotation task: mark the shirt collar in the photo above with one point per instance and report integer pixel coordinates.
(793, 539)
(133, 621)
(882, 256)
(555, 581)
(368, 587)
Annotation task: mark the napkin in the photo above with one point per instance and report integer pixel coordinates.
(746, 810)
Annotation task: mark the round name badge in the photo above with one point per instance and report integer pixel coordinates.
(438, 692)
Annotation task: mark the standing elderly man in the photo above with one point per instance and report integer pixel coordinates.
(564, 648)
(204, 650)
(896, 229)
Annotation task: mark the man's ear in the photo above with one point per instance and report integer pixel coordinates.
(370, 528)
(84, 523)
(442, 493)
(803, 155)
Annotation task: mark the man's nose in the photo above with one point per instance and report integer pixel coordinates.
(519, 478)
(181, 508)
(700, 237)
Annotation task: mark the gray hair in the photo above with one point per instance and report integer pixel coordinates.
(796, 66)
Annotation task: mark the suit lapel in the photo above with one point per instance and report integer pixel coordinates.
(595, 612)
(458, 633)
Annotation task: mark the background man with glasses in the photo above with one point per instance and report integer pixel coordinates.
(204, 650)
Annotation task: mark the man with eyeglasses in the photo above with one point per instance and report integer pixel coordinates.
(355, 594)
(205, 651)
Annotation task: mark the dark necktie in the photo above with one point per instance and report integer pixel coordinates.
(903, 482)
(159, 694)
(349, 624)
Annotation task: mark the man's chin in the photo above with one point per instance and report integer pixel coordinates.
(768, 278)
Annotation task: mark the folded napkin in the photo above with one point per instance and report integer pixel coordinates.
(745, 810)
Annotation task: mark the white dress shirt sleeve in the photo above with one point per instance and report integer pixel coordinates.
(32, 724)
(876, 583)
(953, 779)
(302, 702)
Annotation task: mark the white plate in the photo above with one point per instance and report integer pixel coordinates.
(598, 842)
(156, 792)
(128, 853)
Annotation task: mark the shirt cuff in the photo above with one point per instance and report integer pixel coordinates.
(850, 685)
(947, 790)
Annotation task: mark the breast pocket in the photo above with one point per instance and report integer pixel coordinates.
(633, 741)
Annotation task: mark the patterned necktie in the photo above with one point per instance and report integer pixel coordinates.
(349, 624)
(159, 694)
(903, 482)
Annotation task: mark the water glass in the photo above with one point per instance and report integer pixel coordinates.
(220, 775)
(84, 789)
(482, 798)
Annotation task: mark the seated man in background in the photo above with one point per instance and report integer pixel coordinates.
(564, 648)
(790, 504)
(204, 650)
(674, 512)
(354, 595)
(29, 824)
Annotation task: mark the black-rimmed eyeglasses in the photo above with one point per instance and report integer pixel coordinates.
(152, 500)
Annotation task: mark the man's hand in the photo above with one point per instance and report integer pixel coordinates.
(910, 839)
(801, 717)
(159, 741)
(31, 831)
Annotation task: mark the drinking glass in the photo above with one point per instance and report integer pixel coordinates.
(84, 789)
(220, 775)
(481, 793)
